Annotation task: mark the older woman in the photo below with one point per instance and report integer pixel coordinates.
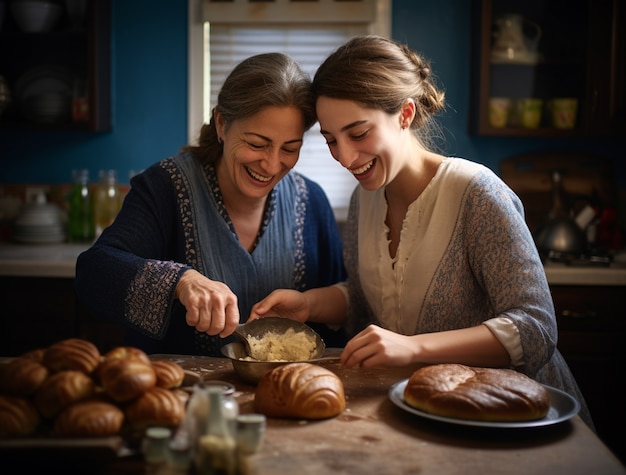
(206, 233)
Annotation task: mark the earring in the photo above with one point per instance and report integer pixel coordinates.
(219, 139)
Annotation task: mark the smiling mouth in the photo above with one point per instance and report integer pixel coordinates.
(258, 177)
(363, 169)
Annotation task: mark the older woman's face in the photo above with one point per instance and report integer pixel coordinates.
(260, 150)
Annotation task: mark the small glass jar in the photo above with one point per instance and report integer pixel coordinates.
(231, 407)
(198, 410)
(154, 447)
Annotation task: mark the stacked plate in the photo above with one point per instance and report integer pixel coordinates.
(45, 94)
(40, 222)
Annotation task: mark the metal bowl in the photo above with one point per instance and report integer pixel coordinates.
(248, 370)
(251, 370)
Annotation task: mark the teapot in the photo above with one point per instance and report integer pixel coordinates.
(515, 39)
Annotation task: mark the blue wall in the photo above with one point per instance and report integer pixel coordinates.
(149, 103)
(149, 91)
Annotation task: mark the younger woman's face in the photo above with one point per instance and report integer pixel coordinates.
(365, 141)
(259, 150)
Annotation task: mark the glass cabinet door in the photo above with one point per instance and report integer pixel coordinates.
(546, 68)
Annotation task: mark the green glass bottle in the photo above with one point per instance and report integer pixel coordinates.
(80, 221)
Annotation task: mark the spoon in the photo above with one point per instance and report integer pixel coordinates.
(259, 327)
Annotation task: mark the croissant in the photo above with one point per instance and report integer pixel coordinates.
(300, 390)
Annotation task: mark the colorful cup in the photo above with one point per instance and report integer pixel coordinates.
(529, 112)
(499, 108)
(563, 111)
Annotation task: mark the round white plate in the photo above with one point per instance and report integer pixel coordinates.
(562, 407)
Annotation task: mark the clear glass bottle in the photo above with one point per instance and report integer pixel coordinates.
(107, 201)
(80, 222)
(217, 448)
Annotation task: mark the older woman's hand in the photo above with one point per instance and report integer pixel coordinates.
(211, 305)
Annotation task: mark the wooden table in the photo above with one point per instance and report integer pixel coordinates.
(374, 436)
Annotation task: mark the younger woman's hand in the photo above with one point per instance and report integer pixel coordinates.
(284, 303)
(375, 346)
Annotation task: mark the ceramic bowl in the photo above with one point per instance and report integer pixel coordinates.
(35, 16)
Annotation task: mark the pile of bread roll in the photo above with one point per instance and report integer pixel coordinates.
(70, 389)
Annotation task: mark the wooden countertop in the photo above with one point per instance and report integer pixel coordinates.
(40, 260)
(372, 436)
(59, 260)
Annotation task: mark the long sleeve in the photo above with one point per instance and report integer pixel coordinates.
(138, 260)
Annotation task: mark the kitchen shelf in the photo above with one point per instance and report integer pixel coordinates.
(82, 52)
(581, 54)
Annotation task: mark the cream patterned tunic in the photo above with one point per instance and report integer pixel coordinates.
(465, 257)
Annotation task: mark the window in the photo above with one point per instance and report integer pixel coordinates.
(222, 33)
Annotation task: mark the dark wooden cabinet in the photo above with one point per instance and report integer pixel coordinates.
(39, 311)
(558, 49)
(69, 65)
(592, 339)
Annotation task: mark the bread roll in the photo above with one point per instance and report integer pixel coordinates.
(125, 379)
(482, 394)
(18, 417)
(300, 390)
(155, 407)
(72, 354)
(89, 419)
(36, 354)
(121, 352)
(22, 376)
(169, 375)
(61, 389)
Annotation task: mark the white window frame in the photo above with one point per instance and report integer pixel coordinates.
(309, 164)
